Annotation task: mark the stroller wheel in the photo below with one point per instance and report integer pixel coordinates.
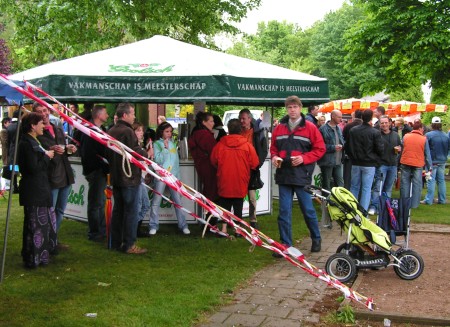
(354, 251)
(341, 266)
(410, 265)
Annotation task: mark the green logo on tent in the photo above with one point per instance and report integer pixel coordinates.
(140, 68)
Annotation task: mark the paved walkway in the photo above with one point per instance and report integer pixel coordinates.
(283, 295)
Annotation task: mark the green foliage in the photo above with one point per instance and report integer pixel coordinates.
(329, 54)
(346, 315)
(413, 93)
(49, 30)
(406, 40)
(441, 95)
(5, 61)
(319, 50)
(277, 43)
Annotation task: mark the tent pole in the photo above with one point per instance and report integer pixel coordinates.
(8, 212)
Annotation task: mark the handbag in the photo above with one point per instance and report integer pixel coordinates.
(255, 181)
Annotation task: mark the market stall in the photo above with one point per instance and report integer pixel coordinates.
(164, 70)
(393, 109)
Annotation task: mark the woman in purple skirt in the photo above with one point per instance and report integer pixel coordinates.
(39, 226)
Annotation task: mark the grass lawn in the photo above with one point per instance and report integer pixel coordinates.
(179, 281)
(175, 284)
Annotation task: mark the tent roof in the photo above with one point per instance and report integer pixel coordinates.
(161, 69)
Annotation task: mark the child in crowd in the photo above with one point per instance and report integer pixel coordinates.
(166, 155)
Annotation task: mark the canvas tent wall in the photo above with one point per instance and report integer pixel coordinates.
(164, 70)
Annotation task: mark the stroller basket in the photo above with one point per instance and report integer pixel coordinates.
(345, 209)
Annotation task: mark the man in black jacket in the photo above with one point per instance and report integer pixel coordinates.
(356, 120)
(95, 170)
(365, 149)
(125, 184)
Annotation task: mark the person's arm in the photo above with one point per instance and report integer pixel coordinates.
(32, 160)
(160, 152)
(428, 161)
(254, 159)
(213, 157)
(330, 148)
(206, 142)
(274, 153)
(264, 149)
(317, 147)
(448, 152)
(379, 144)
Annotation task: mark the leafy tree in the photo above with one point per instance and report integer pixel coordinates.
(49, 30)
(409, 40)
(277, 43)
(414, 93)
(329, 55)
(441, 95)
(5, 61)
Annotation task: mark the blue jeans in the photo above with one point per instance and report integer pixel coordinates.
(144, 202)
(286, 193)
(156, 201)
(362, 179)
(96, 204)
(411, 176)
(438, 175)
(124, 217)
(331, 171)
(389, 175)
(60, 196)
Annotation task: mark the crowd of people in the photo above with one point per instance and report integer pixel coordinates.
(377, 149)
(364, 155)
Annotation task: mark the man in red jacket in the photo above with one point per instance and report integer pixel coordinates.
(234, 157)
(296, 146)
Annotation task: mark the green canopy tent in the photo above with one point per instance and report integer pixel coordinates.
(164, 70)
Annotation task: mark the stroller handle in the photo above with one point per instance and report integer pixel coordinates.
(316, 191)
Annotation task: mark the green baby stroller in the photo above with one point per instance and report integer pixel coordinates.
(367, 246)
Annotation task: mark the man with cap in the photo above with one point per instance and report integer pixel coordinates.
(439, 144)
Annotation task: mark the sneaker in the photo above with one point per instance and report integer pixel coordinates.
(423, 202)
(136, 250)
(254, 224)
(186, 231)
(152, 232)
(371, 211)
(316, 246)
